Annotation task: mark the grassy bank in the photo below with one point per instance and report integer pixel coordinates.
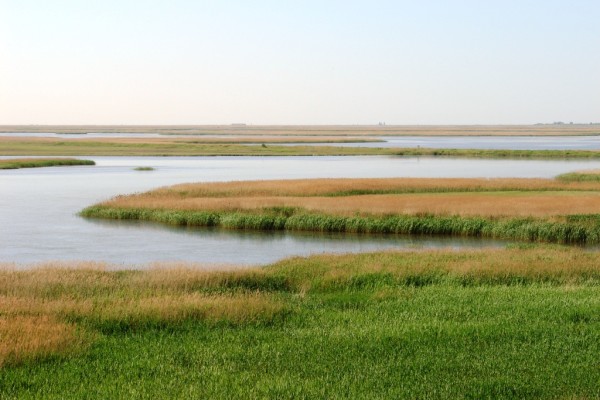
(16, 163)
(436, 324)
(164, 147)
(520, 209)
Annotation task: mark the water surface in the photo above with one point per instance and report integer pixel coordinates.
(481, 142)
(38, 207)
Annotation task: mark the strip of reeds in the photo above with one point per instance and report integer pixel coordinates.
(579, 229)
(16, 163)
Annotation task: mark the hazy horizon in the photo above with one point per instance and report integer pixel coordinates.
(299, 63)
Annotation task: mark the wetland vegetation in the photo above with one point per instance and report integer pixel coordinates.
(434, 324)
(544, 210)
(12, 146)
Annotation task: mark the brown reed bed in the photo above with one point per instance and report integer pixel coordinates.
(464, 197)
(349, 186)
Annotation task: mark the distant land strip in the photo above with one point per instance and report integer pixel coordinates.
(328, 130)
(121, 147)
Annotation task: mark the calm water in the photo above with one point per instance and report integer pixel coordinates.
(38, 207)
(483, 142)
(91, 135)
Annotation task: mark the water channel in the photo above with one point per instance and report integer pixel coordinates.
(39, 222)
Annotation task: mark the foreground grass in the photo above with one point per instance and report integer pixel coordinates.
(436, 324)
(140, 147)
(16, 163)
(541, 210)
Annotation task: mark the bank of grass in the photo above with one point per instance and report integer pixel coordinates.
(543, 211)
(16, 163)
(510, 323)
(140, 147)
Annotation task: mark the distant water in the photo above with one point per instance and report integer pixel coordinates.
(482, 142)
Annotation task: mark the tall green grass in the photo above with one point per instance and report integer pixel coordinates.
(577, 229)
(501, 324)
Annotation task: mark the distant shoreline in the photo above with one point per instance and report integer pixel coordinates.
(329, 130)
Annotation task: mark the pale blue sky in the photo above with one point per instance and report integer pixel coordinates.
(299, 62)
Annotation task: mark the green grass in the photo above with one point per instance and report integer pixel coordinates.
(88, 148)
(501, 324)
(575, 229)
(143, 169)
(38, 163)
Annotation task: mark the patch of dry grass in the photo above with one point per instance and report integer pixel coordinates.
(26, 338)
(53, 311)
(322, 187)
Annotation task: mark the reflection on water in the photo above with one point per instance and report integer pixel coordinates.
(252, 247)
(38, 207)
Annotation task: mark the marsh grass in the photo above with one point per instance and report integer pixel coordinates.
(497, 323)
(26, 338)
(16, 163)
(53, 311)
(521, 209)
(143, 169)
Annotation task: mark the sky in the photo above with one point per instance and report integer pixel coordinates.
(299, 62)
